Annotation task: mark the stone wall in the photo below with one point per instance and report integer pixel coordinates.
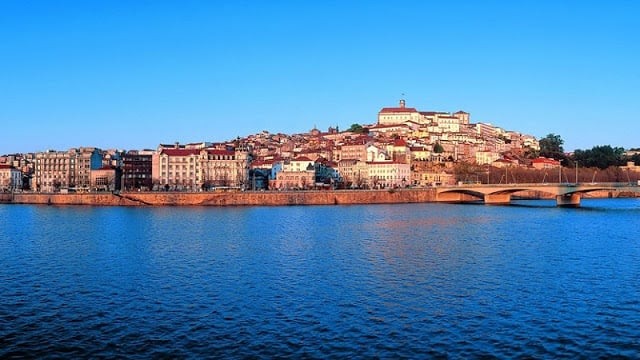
(249, 198)
(268, 198)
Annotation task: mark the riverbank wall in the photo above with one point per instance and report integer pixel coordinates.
(260, 198)
(240, 198)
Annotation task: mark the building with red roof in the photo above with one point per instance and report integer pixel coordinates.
(397, 115)
(194, 169)
(544, 163)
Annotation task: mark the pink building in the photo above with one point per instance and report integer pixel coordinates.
(544, 163)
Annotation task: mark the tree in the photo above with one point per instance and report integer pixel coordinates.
(437, 148)
(600, 156)
(358, 129)
(551, 147)
(530, 153)
(26, 180)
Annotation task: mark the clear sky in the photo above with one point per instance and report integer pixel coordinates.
(133, 74)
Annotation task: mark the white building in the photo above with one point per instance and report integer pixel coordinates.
(10, 178)
(384, 174)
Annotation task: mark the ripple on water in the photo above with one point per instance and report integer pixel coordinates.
(401, 281)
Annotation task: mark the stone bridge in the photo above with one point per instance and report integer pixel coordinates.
(566, 194)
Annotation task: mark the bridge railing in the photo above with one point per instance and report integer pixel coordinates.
(598, 184)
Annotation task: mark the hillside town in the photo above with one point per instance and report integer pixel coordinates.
(405, 147)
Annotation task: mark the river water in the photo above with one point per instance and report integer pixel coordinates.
(371, 281)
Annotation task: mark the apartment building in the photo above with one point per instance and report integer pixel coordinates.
(10, 178)
(224, 168)
(104, 179)
(195, 169)
(354, 173)
(55, 170)
(355, 149)
(294, 179)
(137, 168)
(177, 168)
(384, 174)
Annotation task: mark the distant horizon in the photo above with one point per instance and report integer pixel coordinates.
(131, 75)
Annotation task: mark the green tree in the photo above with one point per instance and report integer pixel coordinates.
(600, 156)
(551, 147)
(437, 148)
(530, 153)
(358, 129)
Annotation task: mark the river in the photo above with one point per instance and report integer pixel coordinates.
(359, 281)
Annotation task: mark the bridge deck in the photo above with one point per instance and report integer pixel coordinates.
(566, 194)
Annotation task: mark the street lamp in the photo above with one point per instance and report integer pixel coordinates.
(560, 171)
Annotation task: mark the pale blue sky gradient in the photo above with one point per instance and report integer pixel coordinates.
(133, 74)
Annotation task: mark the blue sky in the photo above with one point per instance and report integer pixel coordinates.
(133, 74)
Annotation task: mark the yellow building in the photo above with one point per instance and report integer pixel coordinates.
(294, 180)
(486, 157)
(103, 179)
(354, 173)
(398, 115)
(432, 178)
(224, 168)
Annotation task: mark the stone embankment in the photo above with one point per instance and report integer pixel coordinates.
(258, 198)
(246, 198)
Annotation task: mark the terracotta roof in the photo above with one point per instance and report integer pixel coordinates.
(2, 166)
(302, 158)
(391, 162)
(259, 163)
(398, 110)
(431, 113)
(180, 152)
(389, 126)
(544, 160)
(220, 152)
(399, 142)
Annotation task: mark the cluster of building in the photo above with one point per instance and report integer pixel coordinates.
(405, 147)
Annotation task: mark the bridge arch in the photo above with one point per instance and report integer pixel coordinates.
(566, 194)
